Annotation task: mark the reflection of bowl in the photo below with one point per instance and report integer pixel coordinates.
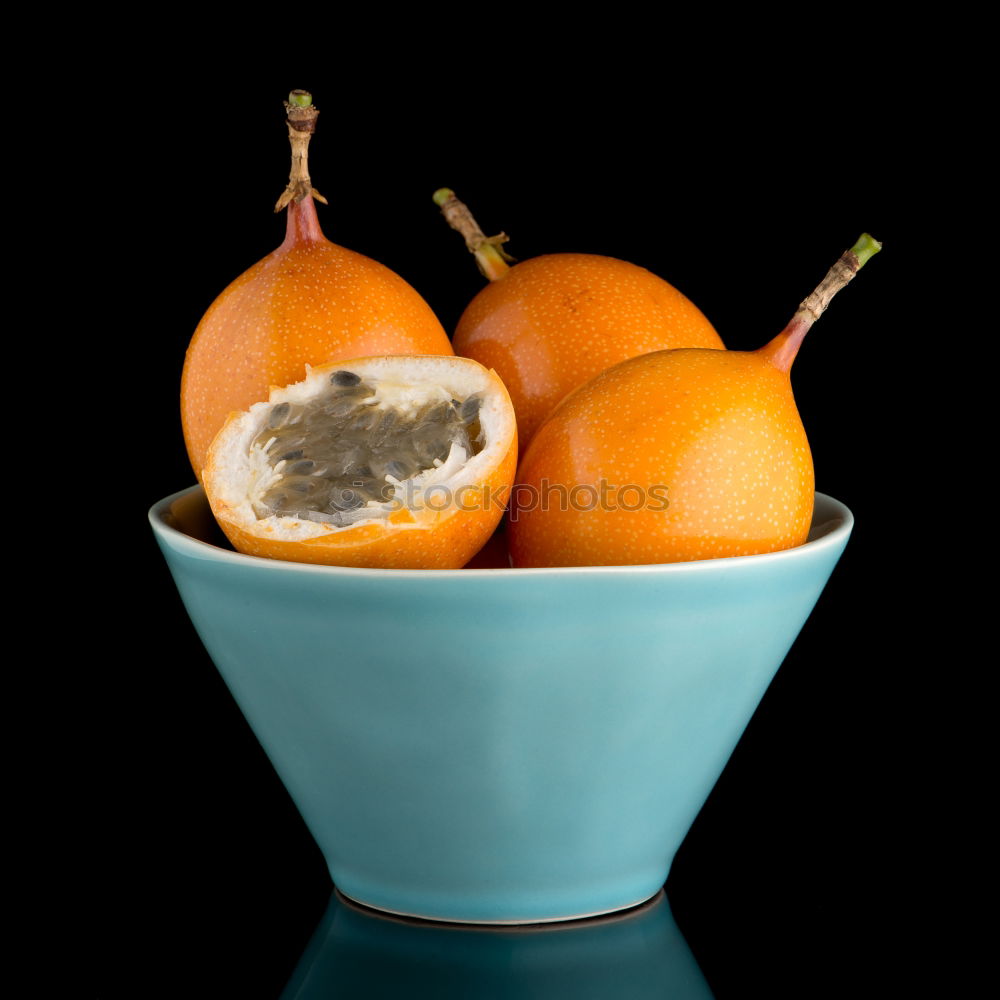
(637, 955)
(497, 745)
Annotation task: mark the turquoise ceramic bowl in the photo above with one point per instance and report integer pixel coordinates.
(497, 745)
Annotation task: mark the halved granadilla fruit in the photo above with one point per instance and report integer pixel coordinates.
(396, 462)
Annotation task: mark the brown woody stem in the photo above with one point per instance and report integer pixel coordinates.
(301, 117)
(488, 250)
(782, 350)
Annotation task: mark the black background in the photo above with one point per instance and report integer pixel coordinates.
(797, 877)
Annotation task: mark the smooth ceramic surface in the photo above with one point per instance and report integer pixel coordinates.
(497, 745)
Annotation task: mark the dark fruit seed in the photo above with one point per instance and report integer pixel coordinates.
(365, 421)
(278, 415)
(340, 406)
(470, 409)
(302, 468)
(355, 392)
(344, 378)
(289, 456)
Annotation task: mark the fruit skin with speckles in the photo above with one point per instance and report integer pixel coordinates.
(710, 441)
(553, 322)
(677, 455)
(307, 303)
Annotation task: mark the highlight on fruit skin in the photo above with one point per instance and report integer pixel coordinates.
(401, 462)
(550, 323)
(676, 456)
(308, 302)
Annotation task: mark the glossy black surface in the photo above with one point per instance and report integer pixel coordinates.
(799, 877)
(635, 955)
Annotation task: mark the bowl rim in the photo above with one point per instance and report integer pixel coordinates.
(837, 520)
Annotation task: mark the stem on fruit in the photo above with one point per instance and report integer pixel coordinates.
(488, 251)
(782, 350)
(301, 116)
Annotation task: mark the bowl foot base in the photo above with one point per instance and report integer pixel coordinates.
(497, 923)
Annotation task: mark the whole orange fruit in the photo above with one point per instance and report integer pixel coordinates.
(390, 462)
(675, 456)
(308, 302)
(551, 323)
(672, 456)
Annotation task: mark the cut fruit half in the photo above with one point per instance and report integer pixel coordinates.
(397, 462)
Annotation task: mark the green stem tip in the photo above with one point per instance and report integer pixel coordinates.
(782, 350)
(300, 99)
(866, 248)
(488, 250)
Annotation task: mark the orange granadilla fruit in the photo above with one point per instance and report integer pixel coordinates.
(551, 323)
(308, 302)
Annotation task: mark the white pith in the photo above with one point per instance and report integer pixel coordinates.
(239, 471)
